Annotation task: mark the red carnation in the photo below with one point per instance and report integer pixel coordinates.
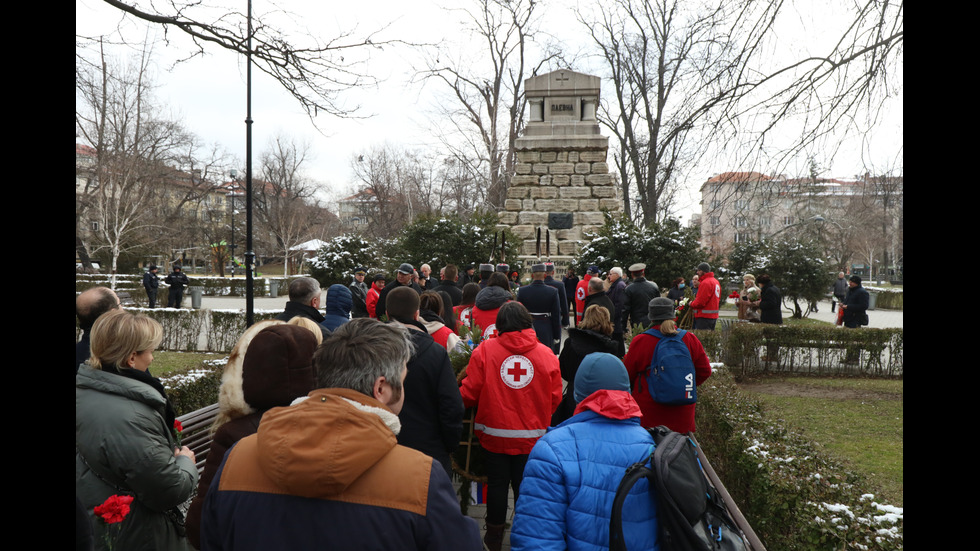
(114, 509)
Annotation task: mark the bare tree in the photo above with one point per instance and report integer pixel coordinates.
(138, 155)
(284, 195)
(315, 69)
(673, 67)
(461, 189)
(383, 174)
(691, 78)
(488, 90)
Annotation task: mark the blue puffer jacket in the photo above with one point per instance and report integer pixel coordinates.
(571, 478)
(338, 307)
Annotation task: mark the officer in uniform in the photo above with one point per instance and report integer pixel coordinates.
(549, 279)
(638, 296)
(542, 301)
(358, 291)
(485, 271)
(505, 269)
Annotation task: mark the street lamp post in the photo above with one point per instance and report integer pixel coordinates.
(249, 253)
(233, 195)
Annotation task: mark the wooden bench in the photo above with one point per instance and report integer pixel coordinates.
(197, 432)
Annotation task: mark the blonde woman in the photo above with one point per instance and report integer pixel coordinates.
(124, 439)
(748, 299)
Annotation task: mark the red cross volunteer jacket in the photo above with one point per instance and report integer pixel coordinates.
(515, 382)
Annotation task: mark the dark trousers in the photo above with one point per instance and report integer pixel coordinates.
(151, 295)
(503, 472)
(175, 297)
(705, 323)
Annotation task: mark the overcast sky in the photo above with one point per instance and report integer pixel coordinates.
(209, 94)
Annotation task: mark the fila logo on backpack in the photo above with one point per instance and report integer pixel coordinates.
(670, 377)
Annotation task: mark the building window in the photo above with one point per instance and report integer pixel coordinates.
(716, 220)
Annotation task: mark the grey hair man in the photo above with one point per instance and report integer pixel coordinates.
(304, 301)
(334, 456)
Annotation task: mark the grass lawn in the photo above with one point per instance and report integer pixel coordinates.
(857, 421)
(167, 363)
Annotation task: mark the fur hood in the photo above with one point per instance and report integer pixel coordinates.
(280, 370)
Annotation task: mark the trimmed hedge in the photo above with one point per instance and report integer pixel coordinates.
(196, 388)
(889, 299)
(816, 350)
(185, 329)
(794, 498)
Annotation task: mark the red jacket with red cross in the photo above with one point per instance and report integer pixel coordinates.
(581, 291)
(705, 304)
(515, 382)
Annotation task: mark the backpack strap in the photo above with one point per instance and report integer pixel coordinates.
(634, 473)
(656, 333)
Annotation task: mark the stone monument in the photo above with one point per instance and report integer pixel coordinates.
(561, 181)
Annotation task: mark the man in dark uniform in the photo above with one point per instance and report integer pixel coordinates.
(358, 291)
(638, 296)
(549, 279)
(177, 281)
(151, 283)
(505, 269)
(543, 302)
(485, 271)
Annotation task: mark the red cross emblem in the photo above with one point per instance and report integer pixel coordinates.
(517, 371)
(464, 316)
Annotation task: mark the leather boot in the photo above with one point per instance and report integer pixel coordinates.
(494, 537)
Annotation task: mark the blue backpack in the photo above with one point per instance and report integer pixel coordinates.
(670, 377)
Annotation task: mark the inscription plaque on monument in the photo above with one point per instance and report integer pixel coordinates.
(559, 220)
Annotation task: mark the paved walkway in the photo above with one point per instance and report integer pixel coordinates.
(877, 318)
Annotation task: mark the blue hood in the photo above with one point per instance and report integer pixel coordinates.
(339, 301)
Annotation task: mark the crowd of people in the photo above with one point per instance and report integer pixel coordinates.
(337, 421)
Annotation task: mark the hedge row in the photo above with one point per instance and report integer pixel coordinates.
(816, 350)
(196, 388)
(889, 299)
(185, 329)
(792, 496)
